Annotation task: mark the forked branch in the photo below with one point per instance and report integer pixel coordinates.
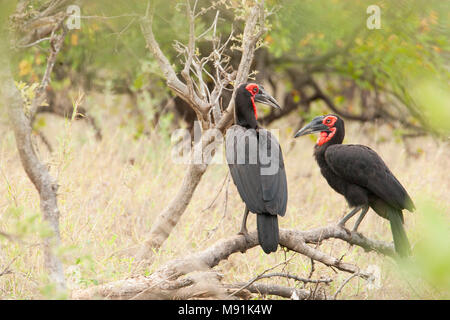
(165, 282)
(196, 93)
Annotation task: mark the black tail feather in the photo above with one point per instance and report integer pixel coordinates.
(401, 242)
(268, 233)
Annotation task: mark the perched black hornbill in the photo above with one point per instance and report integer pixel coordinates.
(256, 165)
(361, 176)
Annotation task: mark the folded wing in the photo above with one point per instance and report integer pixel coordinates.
(257, 168)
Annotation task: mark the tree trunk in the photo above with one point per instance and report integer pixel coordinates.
(36, 171)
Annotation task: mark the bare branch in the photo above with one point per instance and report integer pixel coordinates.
(294, 277)
(56, 42)
(249, 41)
(277, 290)
(181, 89)
(210, 257)
(169, 217)
(33, 43)
(261, 276)
(6, 269)
(356, 274)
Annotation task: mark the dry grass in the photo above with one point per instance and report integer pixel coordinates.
(112, 190)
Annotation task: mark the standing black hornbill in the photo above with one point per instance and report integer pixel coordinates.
(361, 176)
(256, 165)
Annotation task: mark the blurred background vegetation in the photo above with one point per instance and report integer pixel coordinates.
(317, 57)
(315, 51)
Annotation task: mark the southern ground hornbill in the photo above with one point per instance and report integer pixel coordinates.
(256, 165)
(361, 176)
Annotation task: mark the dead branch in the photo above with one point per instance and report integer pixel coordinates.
(277, 290)
(294, 277)
(33, 26)
(356, 274)
(261, 276)
(169, 217)
(218, 193)
(202, 101)
(254, 22)
(161, 284)
(56, 42)
(172, 80)
(6, 269)
(225, 205)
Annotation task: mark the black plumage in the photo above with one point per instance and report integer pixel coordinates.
(256, 165)
(361, 176)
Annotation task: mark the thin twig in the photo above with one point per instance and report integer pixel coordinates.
(294, 277)
(261, 275)
(217, 195)
(356, 274)
(225, 205)
(6, 269)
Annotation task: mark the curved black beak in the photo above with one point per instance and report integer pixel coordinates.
(266, 98)
(314, 126)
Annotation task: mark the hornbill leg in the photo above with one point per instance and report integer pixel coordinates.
(361, 217)
(351, 214)
(243, 230)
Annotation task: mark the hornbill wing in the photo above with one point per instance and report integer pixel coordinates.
(361, 165)
(261, 181)
(273, 174)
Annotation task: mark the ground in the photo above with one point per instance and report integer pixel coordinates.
(111, 191)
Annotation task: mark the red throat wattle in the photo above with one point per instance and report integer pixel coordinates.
(325, 136)
(254, 107)
(253, 89)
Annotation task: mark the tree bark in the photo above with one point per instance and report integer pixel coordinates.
(192, 276)
(169, 217)
(36, 171)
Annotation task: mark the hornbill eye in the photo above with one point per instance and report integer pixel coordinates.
(329, 121)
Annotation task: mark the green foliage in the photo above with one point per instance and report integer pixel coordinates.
(304, 28)
(28, 94)
(433, 100)
(330, 36)
(25, 223)
(431, 260)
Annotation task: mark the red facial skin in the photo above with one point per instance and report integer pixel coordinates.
(329, 121)
(253, 89)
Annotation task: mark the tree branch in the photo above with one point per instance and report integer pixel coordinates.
(172, 80)
(156, 285)
(249, 40)
(277, 290)
(169, 217)
(56, 42)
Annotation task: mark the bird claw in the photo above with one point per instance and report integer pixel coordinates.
(246, 236)
(243, 233)
(342, 226)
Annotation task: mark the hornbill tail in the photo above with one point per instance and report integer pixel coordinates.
(401, 242)
(268, 233)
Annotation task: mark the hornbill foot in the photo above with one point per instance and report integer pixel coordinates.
(243, 232)
(341, 224)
